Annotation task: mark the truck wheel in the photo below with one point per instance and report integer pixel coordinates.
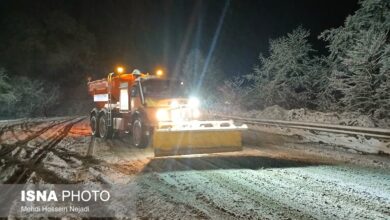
(105, 131)
(94, 125)
(140, 138)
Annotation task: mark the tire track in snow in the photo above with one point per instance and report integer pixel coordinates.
(316, 201)
(269, 206)
(299, 191)
(170, 189)
(10, 147)
(29, 166)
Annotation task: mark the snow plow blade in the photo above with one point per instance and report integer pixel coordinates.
(197, 138)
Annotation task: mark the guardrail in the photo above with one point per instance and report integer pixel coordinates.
(331, 128)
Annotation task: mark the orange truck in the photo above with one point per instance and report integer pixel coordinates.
(157, 112)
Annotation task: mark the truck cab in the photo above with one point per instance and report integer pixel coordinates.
(156, 101)
(138, 104)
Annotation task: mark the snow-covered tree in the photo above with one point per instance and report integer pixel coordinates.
(33, 97)
(372, 15)
(383, 91)
(7, 96)
(362, 79)
(22, 96)
(360, 59)
(289, 76)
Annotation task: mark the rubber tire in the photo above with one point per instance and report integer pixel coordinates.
(94, 125)
(139, 128)
(105, 131)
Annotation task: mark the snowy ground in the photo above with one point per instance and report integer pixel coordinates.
(275, 177)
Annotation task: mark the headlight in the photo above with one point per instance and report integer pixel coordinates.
(193, 102)
(162, 115)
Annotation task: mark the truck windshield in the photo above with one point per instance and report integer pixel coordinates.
(164, 88)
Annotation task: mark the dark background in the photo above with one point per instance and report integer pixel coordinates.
(147, 34)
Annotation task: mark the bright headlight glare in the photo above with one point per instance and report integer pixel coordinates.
(176, 117)
(162, 115)
(174, 104)
(193, 102)
(196, 113)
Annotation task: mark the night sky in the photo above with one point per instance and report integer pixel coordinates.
(146, 34)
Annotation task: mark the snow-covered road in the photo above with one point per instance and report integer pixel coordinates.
(273, 178)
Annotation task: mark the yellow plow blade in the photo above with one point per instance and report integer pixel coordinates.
(169, 142)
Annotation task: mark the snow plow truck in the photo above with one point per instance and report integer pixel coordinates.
(157, 112)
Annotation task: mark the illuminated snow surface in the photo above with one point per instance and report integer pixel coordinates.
(274, 177)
